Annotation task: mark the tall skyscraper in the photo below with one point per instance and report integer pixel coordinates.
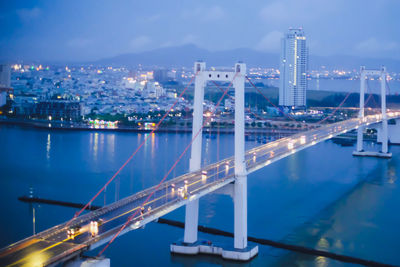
(293, 68)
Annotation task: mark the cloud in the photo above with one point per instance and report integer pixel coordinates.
(293, 10)
(208, 14)
(270, 42)
(372, 45)
(189, 39)
(140, 43)
(26, 14)
(79, 42)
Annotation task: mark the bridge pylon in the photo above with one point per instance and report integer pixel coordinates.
(384, 153)
(191, 245)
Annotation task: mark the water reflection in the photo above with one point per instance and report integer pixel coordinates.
(339, 244)
(321, 261)
(323, 243)
(153, 145)
(210, 208)
(48, 147)
(95, 146)
(111, 146)
(340, 227)
(391, 173)
(294, 167)
(101, 143)
(145, 148)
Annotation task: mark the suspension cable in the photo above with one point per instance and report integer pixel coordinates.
(130, 218)
(330, 115)
(336, 109)
(371, 95)
(134, 153)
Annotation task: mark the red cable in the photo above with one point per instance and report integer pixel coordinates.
(336, 109)
(369, 97)
(373, 98)
(165, 177)
(292, 117)
(133, 154)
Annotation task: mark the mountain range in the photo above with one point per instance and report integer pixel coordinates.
(186, 55)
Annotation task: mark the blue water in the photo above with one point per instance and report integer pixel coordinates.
(321, 197)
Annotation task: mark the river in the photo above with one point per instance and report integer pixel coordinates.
(321, 197)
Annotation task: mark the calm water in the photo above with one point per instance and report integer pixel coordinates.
(321, 197)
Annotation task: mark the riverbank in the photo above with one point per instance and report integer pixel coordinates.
(74, 126)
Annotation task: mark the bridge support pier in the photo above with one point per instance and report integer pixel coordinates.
(190, 245)
(88, 262)
(384, 153)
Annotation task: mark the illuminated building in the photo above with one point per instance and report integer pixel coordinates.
(293, 68)
(58, 109)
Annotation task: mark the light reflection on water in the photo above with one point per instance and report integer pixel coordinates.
(48, 147)
(323, 200)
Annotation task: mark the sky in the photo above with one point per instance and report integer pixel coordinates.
(81, 30)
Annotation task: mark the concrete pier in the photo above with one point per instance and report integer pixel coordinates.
(207, 247)
(88, 262)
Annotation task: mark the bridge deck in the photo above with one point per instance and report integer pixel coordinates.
(54, 246)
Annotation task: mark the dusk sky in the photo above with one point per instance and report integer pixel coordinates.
(94, 29)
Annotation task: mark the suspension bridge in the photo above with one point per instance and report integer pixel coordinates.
(91, 230)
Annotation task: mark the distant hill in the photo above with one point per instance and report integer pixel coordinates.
(186, 55)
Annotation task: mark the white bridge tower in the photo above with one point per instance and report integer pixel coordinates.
(190, 243)
(384, 153)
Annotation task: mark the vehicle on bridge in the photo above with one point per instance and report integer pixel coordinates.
(94, 227)
(73, 231)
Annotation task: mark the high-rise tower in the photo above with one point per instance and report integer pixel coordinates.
(293, 68)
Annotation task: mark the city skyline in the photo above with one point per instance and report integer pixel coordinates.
(94, 30)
